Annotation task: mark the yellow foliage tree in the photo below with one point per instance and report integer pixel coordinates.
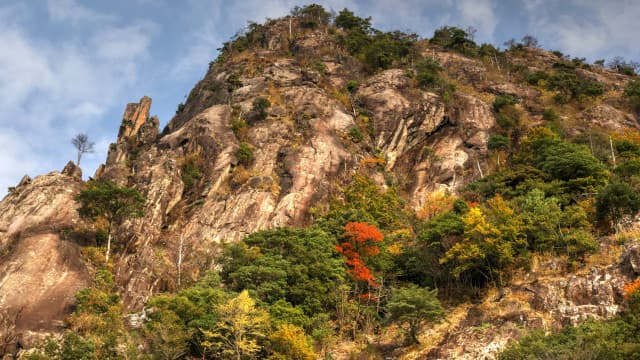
(239, 329)
(289, 342)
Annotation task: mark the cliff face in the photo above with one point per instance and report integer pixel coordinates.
(40, 266)
(304, 148)
(542, 300)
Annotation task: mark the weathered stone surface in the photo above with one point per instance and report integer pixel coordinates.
(631, 256)
(72, 170)
(40, 271)
(135, 115)
(608, 117)
(521, 91)
(26, 180)
(542, 302)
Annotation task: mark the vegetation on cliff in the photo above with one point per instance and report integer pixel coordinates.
(367, 263)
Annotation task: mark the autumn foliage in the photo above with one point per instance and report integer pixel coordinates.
(362, 239)
(631, 288)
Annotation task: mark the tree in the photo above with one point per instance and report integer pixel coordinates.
(299, 266)
(111, 202)
(529, 41)
(414, 306)
(346, 20)
(83, 145)
(362, 239)
(632, 93)
(622, 66)
(311, 16)
(240, 327)
(616, 201)
(290, 342)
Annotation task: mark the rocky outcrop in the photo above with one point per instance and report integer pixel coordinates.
(200, 192)
(40, 268)
(135, 115)
(545, 301)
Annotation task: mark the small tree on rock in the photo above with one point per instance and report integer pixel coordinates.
(83, 145)
(111, 202)
(413, 306)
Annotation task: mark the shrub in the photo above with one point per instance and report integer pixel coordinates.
(355, 134)
(311, 16)
(504, 100)
(508, 117)
(550, 115)
(454, 38)
(233, 82)
(498, 142)
(259, 107)
(352, 86)
(570, 86)
(632, 93)
(191, 170)
(537, 77)
(428, 74)
(244, 154)
(347, 20)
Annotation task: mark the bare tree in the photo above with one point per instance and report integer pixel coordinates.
(83, 145)
(529, 41)
(471, 32)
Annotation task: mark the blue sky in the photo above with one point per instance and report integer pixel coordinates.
(70, 66)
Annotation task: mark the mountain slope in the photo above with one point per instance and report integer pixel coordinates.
(281, 124)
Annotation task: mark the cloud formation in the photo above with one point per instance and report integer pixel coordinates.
(51, 89)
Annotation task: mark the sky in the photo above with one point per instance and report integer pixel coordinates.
(71, 66)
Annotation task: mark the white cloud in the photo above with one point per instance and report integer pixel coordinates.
(51, 89)
(479, 14)
(69, 11)
(124, 43)
(16, 159)
(587, 28)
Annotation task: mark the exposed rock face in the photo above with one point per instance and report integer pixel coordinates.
(72, 170)
(421, 139)
(40, 270)
(135, 115)
(200, 193)
(543, 303)
(608, 117)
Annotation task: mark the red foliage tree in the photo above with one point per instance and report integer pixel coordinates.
(362, 241)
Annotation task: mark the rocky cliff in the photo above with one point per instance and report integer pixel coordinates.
(304, 147)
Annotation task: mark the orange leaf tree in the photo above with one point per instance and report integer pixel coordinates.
(362, 239)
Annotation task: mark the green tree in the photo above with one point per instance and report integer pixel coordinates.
(244, 154)
(616, 201)
(168, 337)
(453, 38)
(300, 266)
(347, 20)
(259, 108)
(311, 15)
(632, 93)
(111, 202)
(414, 306)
